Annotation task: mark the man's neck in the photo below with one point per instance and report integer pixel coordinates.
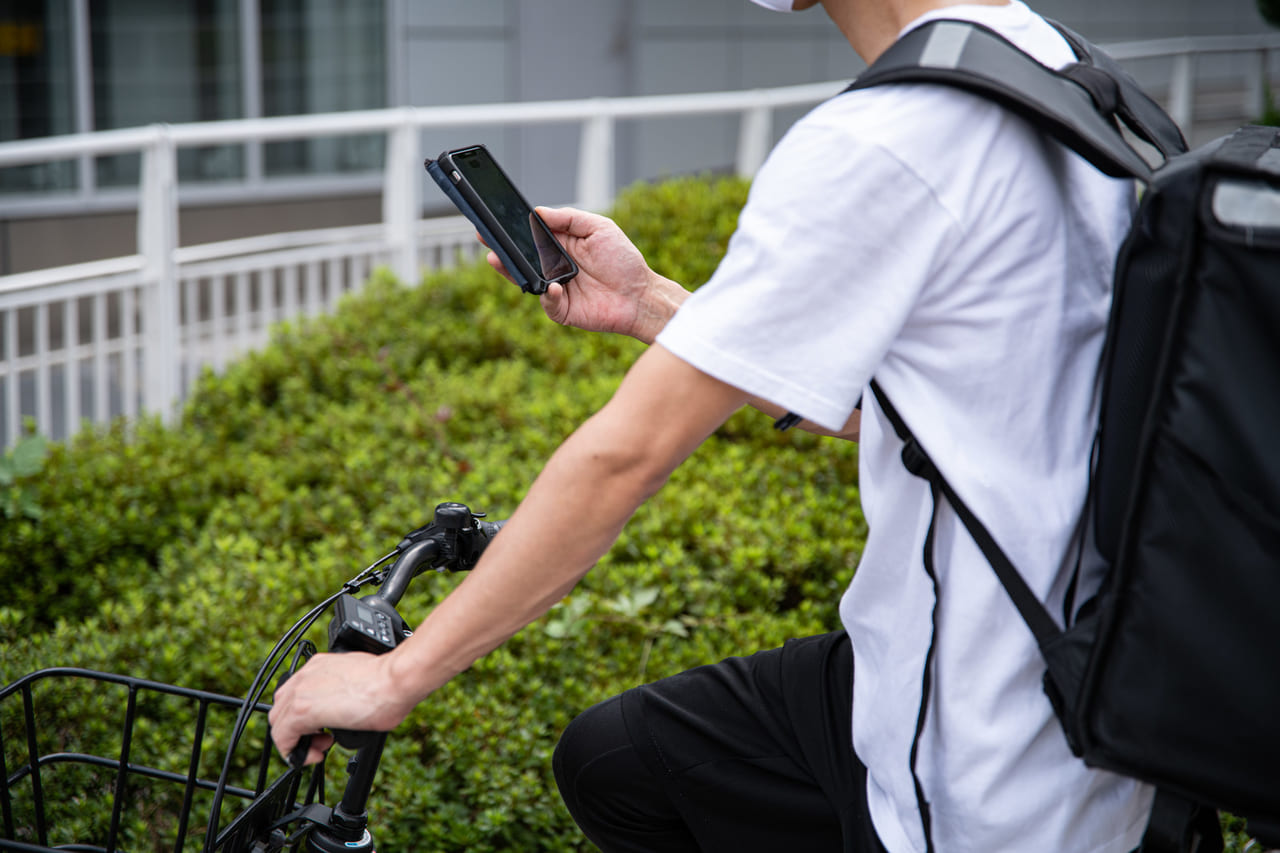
(871, 26)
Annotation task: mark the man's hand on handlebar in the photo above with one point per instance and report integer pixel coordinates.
(335, 691)
(614, 290)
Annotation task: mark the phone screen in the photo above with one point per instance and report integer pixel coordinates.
(530, 234)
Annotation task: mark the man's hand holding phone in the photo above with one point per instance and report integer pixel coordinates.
(584, 269)
(614, 290)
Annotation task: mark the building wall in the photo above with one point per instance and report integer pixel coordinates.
(444, 52)
(505, 50)
(1133, 20)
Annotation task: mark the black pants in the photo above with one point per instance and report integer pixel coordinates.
(748, 754)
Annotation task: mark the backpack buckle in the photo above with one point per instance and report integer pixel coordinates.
(1101, 86)
(916, 460)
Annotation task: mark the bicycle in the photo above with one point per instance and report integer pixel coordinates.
(273, 817)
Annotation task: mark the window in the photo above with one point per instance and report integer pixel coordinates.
(321, 56)
(152, 61)
(35, 87)
(160, 61)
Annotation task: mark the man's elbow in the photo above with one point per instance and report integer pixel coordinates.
(636, 469)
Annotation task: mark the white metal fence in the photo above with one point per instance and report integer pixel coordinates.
(118, 337)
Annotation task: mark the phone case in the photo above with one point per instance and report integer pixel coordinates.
(527, 284)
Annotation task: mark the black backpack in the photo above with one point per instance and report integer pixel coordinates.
(1171, 673)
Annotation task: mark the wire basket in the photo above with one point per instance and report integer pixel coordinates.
(97, 762)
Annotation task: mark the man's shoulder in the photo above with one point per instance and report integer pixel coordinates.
(919, 126)
(899, 109)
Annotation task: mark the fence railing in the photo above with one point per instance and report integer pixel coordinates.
(1186, 54)
(122, 336)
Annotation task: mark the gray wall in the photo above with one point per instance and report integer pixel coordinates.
(521, 50)
(1131, 20)
(503, 50)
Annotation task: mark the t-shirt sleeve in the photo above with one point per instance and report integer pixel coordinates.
(834, 246)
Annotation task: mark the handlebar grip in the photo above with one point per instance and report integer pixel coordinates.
(351, 739)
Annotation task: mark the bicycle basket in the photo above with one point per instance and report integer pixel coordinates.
(96, 762)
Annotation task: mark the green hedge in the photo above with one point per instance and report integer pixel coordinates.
(180, 553)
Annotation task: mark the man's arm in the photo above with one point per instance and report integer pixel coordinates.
(616, 291)
(570, 517)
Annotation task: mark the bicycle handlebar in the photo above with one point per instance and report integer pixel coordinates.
(453, 541)
(411, 562)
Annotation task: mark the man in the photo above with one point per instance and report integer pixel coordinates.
(930, 239)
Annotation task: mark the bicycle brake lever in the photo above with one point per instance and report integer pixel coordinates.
(298, 757)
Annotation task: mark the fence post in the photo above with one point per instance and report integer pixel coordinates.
(595, 163)
(157, 240)
(1255, 86)
(11, 429)
(753, 140)
(1182, 91)
(402, 197)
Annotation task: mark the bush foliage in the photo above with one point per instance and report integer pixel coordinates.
(1270, 11)
(180, 553)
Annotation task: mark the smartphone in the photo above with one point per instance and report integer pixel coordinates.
(478, 187)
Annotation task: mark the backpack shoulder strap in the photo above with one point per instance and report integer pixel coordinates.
(916, 460)
(1078, 106)
(1104, 79)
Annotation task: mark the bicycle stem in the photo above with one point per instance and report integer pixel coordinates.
(347, 829)
(405, 568)
(355, 799)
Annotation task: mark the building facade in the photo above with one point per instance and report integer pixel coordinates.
(75, 66)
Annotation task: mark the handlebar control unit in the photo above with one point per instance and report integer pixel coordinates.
(364, 626)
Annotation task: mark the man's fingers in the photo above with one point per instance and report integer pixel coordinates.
(298, 755)
(295, 746)
(306, 749)
(554, 302)
(493, 261)
(283, 734)
(310, 749)
(571, 221)
(320, 744)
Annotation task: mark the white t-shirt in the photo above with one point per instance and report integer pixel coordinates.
(933, 239)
